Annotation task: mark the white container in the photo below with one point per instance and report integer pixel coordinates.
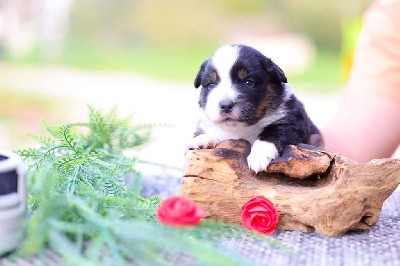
(12, 200)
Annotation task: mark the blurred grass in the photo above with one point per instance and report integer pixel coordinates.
(163, 62)
(178, 64)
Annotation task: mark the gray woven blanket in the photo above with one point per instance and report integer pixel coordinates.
(378, 246)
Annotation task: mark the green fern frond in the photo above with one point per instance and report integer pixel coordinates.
(30, 153)
(66, 163)
(35, 157)
(66, 136)
(44, 140)
(113, 133)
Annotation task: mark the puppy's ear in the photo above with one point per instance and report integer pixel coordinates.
(197, 81)
(274, 70)
(279, 72)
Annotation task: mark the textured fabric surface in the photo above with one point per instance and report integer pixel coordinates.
(378, 246)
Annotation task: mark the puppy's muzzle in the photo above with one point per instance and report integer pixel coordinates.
(226, 106)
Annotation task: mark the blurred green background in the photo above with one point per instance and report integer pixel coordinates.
(169, 39)
(48, 43)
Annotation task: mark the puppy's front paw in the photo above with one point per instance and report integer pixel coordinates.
(261, 154)
(202, 141)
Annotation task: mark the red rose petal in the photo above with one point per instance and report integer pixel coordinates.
(178, 211)
(259, 214)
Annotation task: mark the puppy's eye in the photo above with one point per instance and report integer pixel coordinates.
(249, 83)
(210, 85)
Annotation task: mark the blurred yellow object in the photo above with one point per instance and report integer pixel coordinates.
(350, 33)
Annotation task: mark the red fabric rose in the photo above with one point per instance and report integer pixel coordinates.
(178, 211)
(259, 214)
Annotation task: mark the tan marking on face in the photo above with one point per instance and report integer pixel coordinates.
(242, 74)
(264, 105)
(262, 108)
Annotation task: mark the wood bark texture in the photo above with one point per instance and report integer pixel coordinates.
(312, 189)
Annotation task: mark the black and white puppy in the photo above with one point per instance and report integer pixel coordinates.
(244, 95)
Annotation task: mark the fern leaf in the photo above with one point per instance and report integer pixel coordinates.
(66, 163)
(44, 140)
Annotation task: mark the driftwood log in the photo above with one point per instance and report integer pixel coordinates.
(312, 189)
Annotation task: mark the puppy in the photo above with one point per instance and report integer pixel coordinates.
(244, 95)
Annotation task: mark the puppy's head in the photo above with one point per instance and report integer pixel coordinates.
(240, 85)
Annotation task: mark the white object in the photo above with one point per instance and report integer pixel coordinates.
(12, 200)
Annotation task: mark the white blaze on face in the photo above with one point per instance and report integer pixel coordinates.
(223, 60)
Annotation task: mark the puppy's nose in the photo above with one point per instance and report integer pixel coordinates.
(226, 106)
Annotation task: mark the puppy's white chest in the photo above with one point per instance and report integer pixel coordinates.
(232, 130)
(238, 130)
